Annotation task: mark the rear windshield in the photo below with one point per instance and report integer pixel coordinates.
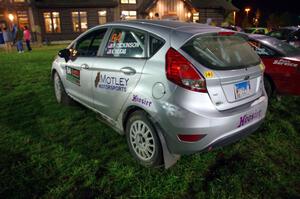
(221, 52)
(285, 48)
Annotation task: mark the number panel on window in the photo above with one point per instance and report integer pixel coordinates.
(125, 43)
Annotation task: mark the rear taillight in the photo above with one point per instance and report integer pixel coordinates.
(181, 72)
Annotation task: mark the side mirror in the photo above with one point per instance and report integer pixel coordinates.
(65, 53)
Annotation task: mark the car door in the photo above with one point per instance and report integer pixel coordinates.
(119, 69)
(78, 74)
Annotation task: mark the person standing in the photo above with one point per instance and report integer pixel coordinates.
(19, 40)
(27, 38)
(1, 37)
(7, 37)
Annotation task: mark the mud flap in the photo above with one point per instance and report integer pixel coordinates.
(169, 159)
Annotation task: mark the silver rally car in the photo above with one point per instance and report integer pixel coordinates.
(172, 88)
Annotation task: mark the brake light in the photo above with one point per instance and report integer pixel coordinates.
(181, 72)
(226, 33)
(191, 138)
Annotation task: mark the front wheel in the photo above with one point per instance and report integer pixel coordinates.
(60, 93)
(143, 141)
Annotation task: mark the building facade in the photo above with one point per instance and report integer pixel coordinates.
(53, 20)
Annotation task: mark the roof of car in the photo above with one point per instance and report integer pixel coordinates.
(162, 23)
(289, 27)
(259, 36)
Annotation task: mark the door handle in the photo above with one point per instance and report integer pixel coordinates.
(85, 66)
(128, 70)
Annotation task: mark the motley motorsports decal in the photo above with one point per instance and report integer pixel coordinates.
(105, 81)
(73, 75)
(143, 101)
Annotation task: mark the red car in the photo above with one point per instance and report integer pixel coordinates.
(282, 64)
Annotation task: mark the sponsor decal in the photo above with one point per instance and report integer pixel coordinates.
(209, 74)
(143, 101)
(73, 75)
(262, 66)
(284, 62)
(104, 81)
(247, 118)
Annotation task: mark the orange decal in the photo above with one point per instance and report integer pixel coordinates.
(116, 37)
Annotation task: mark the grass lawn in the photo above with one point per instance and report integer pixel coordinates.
(54, 151)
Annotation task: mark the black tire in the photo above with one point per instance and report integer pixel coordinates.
(60, 94)
(155, 159)
(268, 87)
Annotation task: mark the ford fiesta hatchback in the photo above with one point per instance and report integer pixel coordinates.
(172, 88)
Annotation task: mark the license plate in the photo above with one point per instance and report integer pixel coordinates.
(242, 89)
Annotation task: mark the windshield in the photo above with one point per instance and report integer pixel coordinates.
(221, 52)
(281, 34)
(282, 46)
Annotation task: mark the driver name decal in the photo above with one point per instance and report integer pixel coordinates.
(73, 75)
(104, 81)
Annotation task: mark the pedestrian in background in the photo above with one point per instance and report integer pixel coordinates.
(19, 39)
(27, 38)
(1, 36)
(8, 39)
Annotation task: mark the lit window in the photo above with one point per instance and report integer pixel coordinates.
(102, 16)
(79, 20)
(128, 1)
(52, 22)
(23, 18)
(129, 14)
(196, 17)
(19, 1)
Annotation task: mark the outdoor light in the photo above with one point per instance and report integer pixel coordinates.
(11, 17)
(189, 15)
(151, 15)
(234, 17)
(247, 10)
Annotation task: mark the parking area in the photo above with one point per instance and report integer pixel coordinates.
(54, 151)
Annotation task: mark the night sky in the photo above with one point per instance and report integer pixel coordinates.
(270, 6)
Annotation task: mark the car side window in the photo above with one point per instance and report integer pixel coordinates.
(260, 31)
(125, 43)
(155, 44)
(261, 49)
(88, 45)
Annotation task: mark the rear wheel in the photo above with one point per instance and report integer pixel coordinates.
(268, 87)
(143, 141)
(60, 93)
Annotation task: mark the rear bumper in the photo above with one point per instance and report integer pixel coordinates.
(223, 141)
(220, 128)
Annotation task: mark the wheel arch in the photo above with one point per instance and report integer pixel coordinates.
(53, 71)
(270, 80)
(169, 159)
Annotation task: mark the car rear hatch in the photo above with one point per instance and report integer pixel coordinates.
(232, 70)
